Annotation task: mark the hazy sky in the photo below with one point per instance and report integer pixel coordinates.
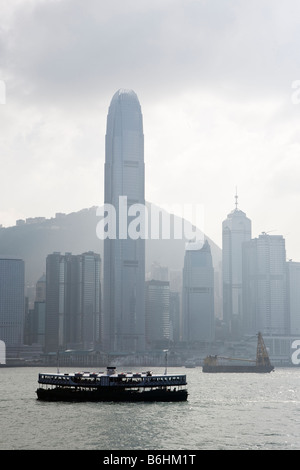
(215, 81)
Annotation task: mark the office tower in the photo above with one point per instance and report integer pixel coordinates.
(90, 299)
(236, 230)
(73, 296)
(124, 256)
(55, 308)
(198, 293)
(35, 324)
(175, 317)
(12, 301)
(40, 289)
(293, 296)
(157, 313)
(159, 273)
(264, 286)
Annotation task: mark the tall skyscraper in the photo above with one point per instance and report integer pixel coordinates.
(293, 296)
(264, 286)
(236, 230)
(124, 257)
(157, 313)
(198, 294)
(73, 298)
(12, 301)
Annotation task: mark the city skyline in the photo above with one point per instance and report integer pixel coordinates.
(220, 101)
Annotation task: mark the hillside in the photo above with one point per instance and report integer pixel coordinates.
(76, 233)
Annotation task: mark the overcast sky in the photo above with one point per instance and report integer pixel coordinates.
(218, 84)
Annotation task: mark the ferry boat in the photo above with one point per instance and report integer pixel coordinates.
(111, 386)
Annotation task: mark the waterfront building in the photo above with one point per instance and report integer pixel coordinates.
(73, 299)
(157, 313)
(124, 257)
(264, 286)
(293, 296)
(198, 294)
(12, 302)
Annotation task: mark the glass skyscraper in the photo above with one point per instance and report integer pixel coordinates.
(157, 313)
(123, 324)
(198, 294)
(264, 285)
(73, 295)
(236, 230)
(12, 304)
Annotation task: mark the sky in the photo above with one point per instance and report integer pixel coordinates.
(219, 86)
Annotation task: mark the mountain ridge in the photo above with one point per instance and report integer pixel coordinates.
(76, 233)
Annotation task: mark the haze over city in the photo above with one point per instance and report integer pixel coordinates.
(218, 86)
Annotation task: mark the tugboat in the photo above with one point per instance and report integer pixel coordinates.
(262, 363)
(112, 386)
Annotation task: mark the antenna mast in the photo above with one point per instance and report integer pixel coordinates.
(236, 199)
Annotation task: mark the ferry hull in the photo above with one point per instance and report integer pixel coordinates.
(237, 369)
(73, 395)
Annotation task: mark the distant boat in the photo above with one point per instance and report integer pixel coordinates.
(261, 364)
(190, 364)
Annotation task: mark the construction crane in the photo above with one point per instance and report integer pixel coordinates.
(262, 356)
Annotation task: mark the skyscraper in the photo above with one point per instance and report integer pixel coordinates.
(198, 294)
(293, 296)
(157, 313)
(236, 230)
(72, 301)
(124, 257)
(12, 301)
(264, 286)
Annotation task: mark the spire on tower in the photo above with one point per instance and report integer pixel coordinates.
(236, 199)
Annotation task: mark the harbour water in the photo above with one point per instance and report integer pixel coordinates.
(223, 412)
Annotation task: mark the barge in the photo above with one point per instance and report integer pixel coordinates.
(262, 364)
(111, 386)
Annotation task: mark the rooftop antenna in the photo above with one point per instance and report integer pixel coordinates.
(236, 199)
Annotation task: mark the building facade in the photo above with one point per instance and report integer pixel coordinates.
(198, 294)
(236, 230)
(157, 313)
(12, 301)
(293, 296)
(73, 301)
(264, 286)
(124, 256)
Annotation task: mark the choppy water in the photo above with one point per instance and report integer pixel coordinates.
(223, 411)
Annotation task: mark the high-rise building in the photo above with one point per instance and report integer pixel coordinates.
(293, 296)
(159, 273)
(198, 294)
(157, 313)
(12, 302)
(236, 230)
(264, 286)
(73, 298)
(124, 256)
(175, 317)
(40, 289)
